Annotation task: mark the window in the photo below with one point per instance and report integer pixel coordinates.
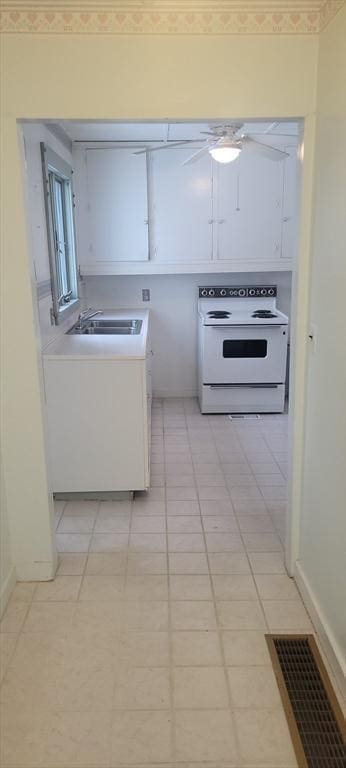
(57, 177)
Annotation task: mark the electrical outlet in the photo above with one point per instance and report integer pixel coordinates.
(145, 294)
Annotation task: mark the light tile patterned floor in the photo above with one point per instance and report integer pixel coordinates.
(148, 648)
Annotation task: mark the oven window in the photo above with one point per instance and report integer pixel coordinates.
(245, 348)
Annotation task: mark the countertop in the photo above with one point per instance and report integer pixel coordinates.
(99, 347)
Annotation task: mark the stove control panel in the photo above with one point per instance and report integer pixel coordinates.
(237, 291)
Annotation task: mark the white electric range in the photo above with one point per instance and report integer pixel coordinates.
(242, 350)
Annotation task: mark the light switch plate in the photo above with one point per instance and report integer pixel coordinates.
(145, 294)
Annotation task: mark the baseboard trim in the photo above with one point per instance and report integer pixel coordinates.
(7, 589)
(166, 393)
(42, 571)
(329, 645)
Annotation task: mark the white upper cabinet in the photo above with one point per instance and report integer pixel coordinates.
(290, 205)
(249, 209)
(150, 214)
(182, 207)
(117, 206)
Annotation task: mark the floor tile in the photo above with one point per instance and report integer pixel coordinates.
(240, 614)
(112, 522)
(84, 689)
(255, 524)
(199, 688)
(71, 564)
(182, 507)
(147, 542)
(145, 615)
(148, 507)
(23, 735)
(189, 614)
(77, 523)
(228, 562)
(73, 542)
(245, 648)
(81, 507)
(213, 493)
(196, 649)
(205, 735)
(145, 649)
(286, 614)
(141, 737)
(267, 562)
(264, 738)
(188, 563)
(14, 617)
(148, 524)
(62, 589)
(253, 687)
(105, 563)
(186, 493)
(223, 524)
(8, 644)
(262, 542)
(186, 542)
(276, 587)
(234, 587)
(143, 688)
(77, 739)
(50, 617)
(224, 542)
(218, 507)
(146, 587)
(102, 587)
(186, 587)
(143, 563)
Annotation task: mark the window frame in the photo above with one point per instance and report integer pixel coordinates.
(55, 169)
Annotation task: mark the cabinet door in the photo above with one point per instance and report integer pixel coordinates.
(118, 205)
(289, 205)
(249, 209)
(182, 216)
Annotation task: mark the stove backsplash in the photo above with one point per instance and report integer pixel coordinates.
(173, 305)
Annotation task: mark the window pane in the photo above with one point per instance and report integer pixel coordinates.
(60, 237)
(245, 348)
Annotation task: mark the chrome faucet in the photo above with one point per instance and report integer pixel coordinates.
(87, 314)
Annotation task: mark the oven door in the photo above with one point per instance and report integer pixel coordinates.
(244, 354)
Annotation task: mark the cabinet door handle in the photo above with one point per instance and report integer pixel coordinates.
(286, 218)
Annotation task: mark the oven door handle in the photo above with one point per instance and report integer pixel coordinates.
(241, 386)
(244, 325)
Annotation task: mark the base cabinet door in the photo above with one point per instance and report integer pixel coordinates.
(98, 437)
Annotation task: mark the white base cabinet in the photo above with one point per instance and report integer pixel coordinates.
(99, 424)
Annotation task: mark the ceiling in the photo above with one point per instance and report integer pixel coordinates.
(151, 132)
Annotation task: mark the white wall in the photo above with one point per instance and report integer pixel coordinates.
(7, 570)
(173, 308)
(322, 559)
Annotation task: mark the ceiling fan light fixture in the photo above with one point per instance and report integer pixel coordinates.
(224, 154)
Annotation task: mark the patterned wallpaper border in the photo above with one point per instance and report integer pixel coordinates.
(35, 20)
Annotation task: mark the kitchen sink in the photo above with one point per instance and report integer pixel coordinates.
(107, 327)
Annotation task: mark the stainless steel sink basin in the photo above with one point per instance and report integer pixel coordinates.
(107, 327)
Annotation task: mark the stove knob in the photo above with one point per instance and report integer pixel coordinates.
(271, 292)
(241, 292)
(204, 292)
(263, 292)
(211, 292)
(252, 292)
(223, 293)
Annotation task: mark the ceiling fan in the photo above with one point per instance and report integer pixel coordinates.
(225, 145)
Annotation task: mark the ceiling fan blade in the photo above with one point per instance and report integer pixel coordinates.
(197, 155)
(263, 149)
(169, 145)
